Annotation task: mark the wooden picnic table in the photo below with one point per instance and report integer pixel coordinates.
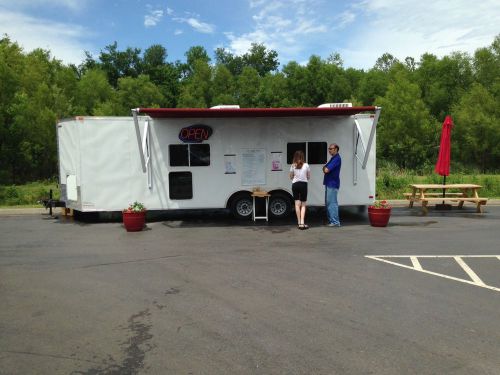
(460, 193)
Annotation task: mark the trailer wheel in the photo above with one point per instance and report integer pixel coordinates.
(280, 206)
(242, 206)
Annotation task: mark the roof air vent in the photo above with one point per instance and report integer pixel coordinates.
(335, 105)
(226, 106)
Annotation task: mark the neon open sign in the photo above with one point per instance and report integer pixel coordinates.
(195, 133)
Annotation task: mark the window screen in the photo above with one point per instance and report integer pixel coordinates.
(180, 185)
(178, 155)
(316, 152)
(291, 148)
(199, 155)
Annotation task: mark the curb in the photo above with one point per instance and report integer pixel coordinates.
(41, 210)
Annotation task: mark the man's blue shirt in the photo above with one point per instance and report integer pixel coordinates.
(332, 178)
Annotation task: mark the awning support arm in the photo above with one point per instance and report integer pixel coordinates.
(139, 142)
(372, 136)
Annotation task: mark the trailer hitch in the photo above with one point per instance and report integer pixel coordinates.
(50, 203)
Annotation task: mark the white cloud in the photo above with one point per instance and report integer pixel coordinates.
(153, 17)
(170, 11)
(434, 26)
(199, 26)
(63, 40)
(285, 26)
(345, 18)
(73, 5)
(178, 32)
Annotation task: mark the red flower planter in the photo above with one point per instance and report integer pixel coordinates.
(379, 217)
(134, 221)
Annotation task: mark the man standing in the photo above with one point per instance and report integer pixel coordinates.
(331, 180)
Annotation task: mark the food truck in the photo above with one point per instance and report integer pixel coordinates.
(210, 158)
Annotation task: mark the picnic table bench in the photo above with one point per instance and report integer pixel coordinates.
(467, 193)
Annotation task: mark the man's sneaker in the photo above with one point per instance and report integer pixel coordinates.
(334, 225)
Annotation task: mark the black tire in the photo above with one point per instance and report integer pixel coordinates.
(280, 206)
(242, 207)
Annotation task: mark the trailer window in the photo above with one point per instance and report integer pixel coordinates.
(199, 155)
(316, 152)
(291, 148)
(178, 155)
(180, 185)
(194, 155)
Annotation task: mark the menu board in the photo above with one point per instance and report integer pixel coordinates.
(276, 161)
(230, 163)
(253, 165)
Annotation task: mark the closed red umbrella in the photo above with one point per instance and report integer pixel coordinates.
(443, 162)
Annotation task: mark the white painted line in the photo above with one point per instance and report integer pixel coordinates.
(416, 263)
(378, 257)
(436, 256)
(469, 271)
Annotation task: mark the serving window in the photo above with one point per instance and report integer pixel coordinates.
(315, 152)
(189, 155)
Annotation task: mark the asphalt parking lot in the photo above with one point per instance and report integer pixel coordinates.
(201, 294)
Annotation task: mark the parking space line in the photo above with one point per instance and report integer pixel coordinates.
(416, 263)
(416, 266)
(469, 271)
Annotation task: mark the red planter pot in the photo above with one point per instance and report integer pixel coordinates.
(134, 221)
(379, 217)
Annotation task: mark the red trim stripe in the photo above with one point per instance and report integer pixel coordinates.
(251, 112)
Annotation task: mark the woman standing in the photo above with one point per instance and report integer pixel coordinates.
(300, 173)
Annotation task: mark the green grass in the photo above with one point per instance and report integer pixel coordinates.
(392, 183)
(27, 195)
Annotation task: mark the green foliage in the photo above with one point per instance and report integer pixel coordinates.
(393, 182)
(406, 130)
(37, 90)
(477, 119)
(136, 207)
(29, 194)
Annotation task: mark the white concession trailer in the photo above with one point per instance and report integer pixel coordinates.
(174, 158)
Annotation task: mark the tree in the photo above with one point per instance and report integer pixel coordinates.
(195, 92)
(373, 84)
(443, 81)
(131, 93)
(406, 132)
(233, 63)
(477, 129)
(261, 59)
(486, 64)
(193, 55)
(118, 64)
(385, 62)
(223, 86)
(273, 91)
(248, 87)
(92, 90)
(296, 79)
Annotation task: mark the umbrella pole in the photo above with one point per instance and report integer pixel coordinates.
(444, 190)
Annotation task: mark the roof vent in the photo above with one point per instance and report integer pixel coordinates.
(226, 106)
(335, 105)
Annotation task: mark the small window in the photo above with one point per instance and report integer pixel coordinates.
(291, 148)
(199, 155)
(180, 185)
(178, 155)
(316, 152)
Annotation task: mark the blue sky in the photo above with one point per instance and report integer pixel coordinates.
(360, 30)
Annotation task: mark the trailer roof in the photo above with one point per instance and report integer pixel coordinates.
(251, 112)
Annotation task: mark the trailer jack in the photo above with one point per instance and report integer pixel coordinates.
(50, 203)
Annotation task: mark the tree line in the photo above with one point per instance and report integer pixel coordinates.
(37, 89)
